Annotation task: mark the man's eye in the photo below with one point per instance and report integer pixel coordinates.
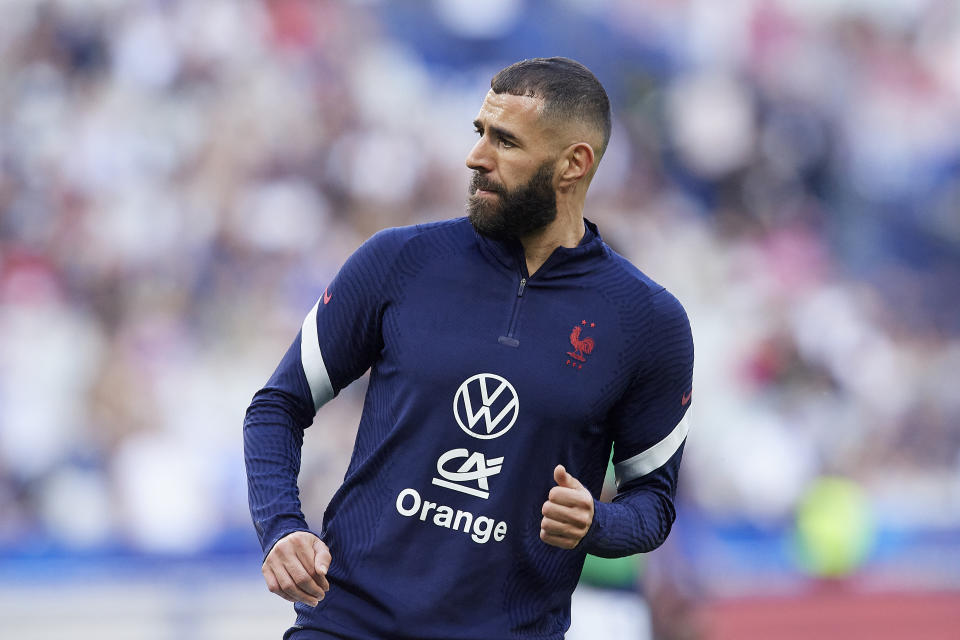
(506, 143)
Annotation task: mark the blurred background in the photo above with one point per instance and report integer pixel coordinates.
(180, 179)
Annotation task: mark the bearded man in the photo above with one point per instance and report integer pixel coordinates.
(509, 351)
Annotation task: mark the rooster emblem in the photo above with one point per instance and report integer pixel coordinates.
(582, 347)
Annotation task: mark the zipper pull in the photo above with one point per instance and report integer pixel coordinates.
(523, 283)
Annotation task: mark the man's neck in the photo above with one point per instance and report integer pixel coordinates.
(566, 231)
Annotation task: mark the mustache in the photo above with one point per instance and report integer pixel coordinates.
(480, 182)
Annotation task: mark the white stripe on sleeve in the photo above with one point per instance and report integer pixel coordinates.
(312, 360)
(653, 458)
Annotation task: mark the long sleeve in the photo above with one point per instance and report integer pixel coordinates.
(340, 339)
(650, 430)
(272, 440)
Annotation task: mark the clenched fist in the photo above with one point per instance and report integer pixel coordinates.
(567, 513)
(296, 568)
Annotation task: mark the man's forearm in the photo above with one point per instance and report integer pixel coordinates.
(636, 522)
(272, 440)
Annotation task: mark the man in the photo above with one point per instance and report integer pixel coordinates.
(508, 352)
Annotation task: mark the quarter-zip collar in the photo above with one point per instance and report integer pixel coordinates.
(562, 262)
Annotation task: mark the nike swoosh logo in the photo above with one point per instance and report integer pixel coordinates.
(685, 400)
(326, 297)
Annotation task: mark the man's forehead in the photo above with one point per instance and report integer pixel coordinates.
(506, 107)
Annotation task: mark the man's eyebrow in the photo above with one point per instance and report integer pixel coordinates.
(495, 130)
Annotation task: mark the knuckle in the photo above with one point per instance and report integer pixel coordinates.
(307, 572)
(298, 572)
(302, 582)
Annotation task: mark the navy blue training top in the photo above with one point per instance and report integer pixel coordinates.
(482, 380)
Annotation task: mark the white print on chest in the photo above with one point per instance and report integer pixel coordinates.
(475, 469)
(489, 397)
(481, 528)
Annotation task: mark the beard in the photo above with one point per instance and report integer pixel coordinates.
(515, 213)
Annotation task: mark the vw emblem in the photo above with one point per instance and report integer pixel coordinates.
(487, 397)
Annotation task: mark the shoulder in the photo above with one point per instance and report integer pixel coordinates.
(642, 287)
(394, 253)
(394, 240)
(647, 305)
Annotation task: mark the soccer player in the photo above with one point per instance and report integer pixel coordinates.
(508, 352)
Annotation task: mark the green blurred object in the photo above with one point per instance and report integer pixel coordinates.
(612, 573)
(835, 528)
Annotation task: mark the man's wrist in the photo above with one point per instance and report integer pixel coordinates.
(597, 527)
(280, 529)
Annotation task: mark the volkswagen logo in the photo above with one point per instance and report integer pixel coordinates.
(486, 406)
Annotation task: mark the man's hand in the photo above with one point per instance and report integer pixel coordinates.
(567, 513)
(296, 568)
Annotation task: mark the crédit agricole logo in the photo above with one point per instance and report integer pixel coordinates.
(485, 406)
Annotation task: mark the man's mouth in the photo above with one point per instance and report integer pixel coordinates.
(483, 188)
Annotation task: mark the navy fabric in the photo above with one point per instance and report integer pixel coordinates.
(482, 380)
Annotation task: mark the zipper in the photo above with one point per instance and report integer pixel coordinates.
(510, 340)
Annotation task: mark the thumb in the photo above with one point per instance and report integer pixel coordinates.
(321, 559)
(564, 479)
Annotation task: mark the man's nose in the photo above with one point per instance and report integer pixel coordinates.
(479, 158)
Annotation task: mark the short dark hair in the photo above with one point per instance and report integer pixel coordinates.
(568, 90)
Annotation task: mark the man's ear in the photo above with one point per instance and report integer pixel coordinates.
(578, 161)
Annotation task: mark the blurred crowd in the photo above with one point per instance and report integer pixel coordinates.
(180, 179)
